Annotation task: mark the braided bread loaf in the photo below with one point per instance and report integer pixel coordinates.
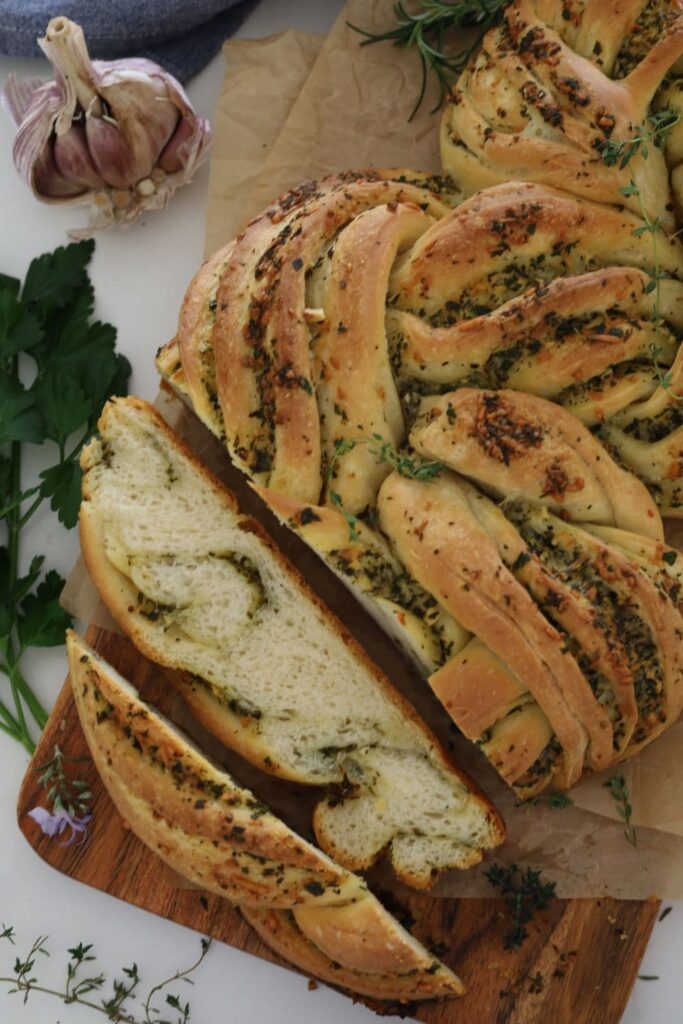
(553, 83)
(216, 834)
(362, 326)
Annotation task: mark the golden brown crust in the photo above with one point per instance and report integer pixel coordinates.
(279, 931)
(521, 446)
(261, 339)
(357, 396)
(528, 107)
(476, 688)
(515, 223)
(440, 541)
(572, 330)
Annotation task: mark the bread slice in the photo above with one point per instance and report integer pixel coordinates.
(216, 834)
(200, 589)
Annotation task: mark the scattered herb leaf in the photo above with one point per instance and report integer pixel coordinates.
(524, 893)
(554, 800)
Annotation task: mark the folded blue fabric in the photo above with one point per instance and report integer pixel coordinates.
(181, 35)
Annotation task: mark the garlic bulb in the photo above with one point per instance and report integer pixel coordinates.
(120, 135)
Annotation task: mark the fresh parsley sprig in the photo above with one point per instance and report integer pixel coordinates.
(427, 30)
(81, 980)
(57, 368)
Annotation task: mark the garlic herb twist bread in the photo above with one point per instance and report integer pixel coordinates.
(219, 836)
(514, 341)
(200, 589)
(554, 82)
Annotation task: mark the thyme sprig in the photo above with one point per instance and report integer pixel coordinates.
(524, 893)
(384, 453)
(621, 151)
(619, 792)
(613, 152)
(81, 980)
(427, 30)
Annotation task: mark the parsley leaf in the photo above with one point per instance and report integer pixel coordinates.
(62, 485)
(20, 330)
(42, 622)
(54, 278)
(63, 404)
(20, 419)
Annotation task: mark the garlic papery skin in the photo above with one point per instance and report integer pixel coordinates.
(118, 135)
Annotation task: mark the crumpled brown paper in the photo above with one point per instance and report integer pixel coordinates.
(293, 107)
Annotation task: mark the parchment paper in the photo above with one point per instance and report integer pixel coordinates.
(293, 107)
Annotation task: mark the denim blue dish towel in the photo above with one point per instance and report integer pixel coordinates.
(181, 35)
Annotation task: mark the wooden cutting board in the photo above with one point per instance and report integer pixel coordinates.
(577, 966)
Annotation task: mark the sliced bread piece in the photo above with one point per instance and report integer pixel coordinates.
(201, 589)
(216, 834)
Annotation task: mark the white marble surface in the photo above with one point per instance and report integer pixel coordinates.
(139, 277)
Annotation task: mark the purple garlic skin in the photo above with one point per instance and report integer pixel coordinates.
(119, 135)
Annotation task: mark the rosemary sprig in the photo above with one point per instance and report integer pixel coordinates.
(427, 31)
(619, 791)
(80, 982)
(524, 893)
(64, 793)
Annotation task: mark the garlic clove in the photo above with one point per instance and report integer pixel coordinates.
(174, 154)
(48, 180)
(110, 152)
(73, 158)
(129, 99)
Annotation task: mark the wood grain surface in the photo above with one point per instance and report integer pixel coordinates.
(577, 966)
